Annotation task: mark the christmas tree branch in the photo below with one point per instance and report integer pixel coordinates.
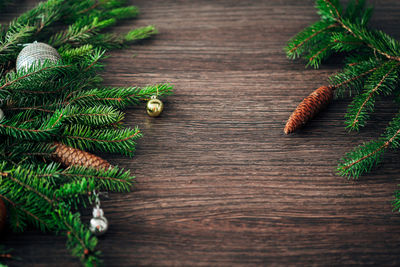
(365, 157)
(364, 103)
(360, 33)
(53, 113)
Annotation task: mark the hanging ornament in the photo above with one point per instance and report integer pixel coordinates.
(99, 223)
(154, 106)
(34, 53)
(3, 214)
(1, 115)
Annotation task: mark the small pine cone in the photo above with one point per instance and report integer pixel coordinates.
(308, 108)
(69, 156)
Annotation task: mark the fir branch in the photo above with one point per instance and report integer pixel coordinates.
(308, 38)
(21, 226)
(80, 31)
(116, 41)
(39, 71)
(107, 140)
(376, 40)
(112, 179)
(363, 158)
(117, 97)
(28, 130)
(319, 53)
(353, 77)
(364, 103)
(95, 116)
(48, 102)
(396, 201)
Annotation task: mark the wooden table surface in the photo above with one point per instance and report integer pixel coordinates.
(218, 183)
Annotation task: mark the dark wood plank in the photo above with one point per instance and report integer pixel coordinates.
(218, 182)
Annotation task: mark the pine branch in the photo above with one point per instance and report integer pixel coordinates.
(49, 103)
(95, 116)
(296, 46)
(103, 140)
(117, 97)
(353, 77)
(362, 104)
(112, 179)
(30, 131)
(376, 40)
(363, 158)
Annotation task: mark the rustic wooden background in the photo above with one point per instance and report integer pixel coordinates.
(218, 183)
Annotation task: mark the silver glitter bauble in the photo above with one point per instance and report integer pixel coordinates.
(99, 223)
(1, 115)
(36, 52)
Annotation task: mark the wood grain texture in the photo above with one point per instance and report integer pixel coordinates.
(218, 183)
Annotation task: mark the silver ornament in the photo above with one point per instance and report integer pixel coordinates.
(1, 115)
(34, 53)
(98, 225)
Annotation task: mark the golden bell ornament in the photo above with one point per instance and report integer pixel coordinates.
(154, 107)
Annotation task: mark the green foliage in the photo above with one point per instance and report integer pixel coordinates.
(371, 70)
(103, 140)
(319, 41)
(382, 81)
(65, 102)
(352, 79)
(363, 158)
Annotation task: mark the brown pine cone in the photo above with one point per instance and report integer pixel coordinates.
(308, 108)
(69, 156)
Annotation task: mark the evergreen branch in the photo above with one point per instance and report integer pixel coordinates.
(316, 32)
(116, 41)
(26, 186)
(27, 130)
(354, 78)
(27, 212)
(362, 159)
(316, 57)
(80, 31)
(64, 102)
(363, 103)
(107, 140)
(330, 9)
(308, 38)
(362, 33)
(95, 116)
(117, 97)
(396, 201)
(80, 241)
(365, 157)
(71, 222)
(112, 179)
(8, 44)
(17, 77)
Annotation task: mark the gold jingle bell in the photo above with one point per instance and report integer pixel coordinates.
(154, 107)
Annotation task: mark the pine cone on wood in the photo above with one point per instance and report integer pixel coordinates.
(308, 108)
(69, 156)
